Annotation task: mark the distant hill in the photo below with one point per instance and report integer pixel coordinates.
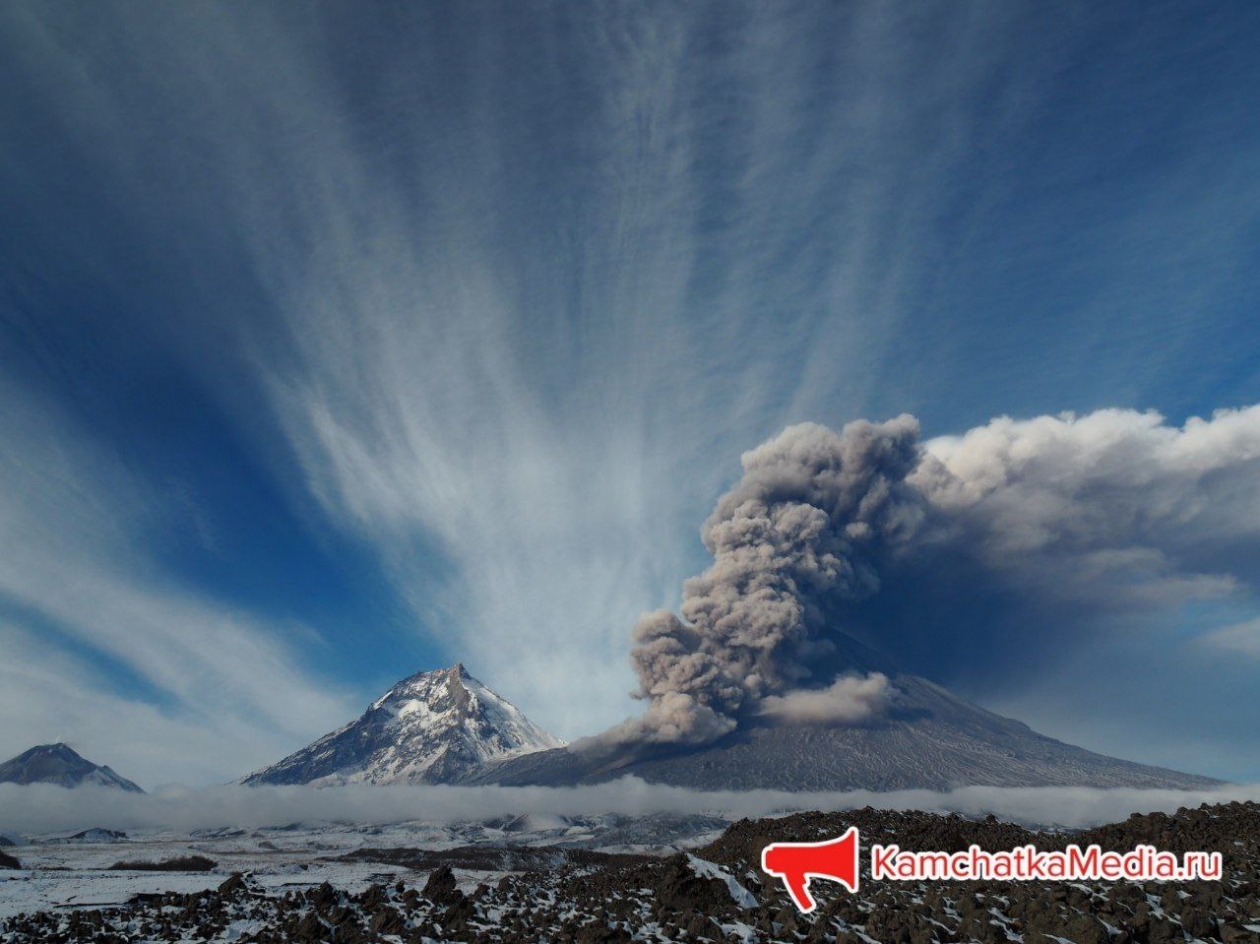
(61, 765)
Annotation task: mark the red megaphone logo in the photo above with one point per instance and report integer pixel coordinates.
(797, 862)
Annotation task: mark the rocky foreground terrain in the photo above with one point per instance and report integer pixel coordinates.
(716, 893)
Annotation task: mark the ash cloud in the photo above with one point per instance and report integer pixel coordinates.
(1068, 504)
(1016, 533)
(850, 699)
(1054, 534)
(802, 527)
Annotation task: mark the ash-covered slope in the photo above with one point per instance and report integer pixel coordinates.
(61, 765)
(927, 738)
(433, 727)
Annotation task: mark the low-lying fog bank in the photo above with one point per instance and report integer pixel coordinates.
(40, 809)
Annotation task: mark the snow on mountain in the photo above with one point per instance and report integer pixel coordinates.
(59, 764)
(434, 727)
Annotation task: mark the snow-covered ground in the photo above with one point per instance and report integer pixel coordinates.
(513, 880)
(59, 872)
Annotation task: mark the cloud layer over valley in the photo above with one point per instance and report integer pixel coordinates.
(34, 810)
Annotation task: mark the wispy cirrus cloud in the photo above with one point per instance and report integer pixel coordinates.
(145, 675)
(1239, 639)
(524, 412)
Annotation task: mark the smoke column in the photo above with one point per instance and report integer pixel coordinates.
(1109, 513)
(800, 527)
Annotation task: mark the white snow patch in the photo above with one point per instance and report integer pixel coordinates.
(706, 869)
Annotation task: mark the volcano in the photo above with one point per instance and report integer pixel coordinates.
(925, 738)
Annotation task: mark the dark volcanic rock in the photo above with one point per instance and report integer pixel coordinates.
(233, 885)
(193, 863)
(440, 888)
(615, 901)
(680, 889)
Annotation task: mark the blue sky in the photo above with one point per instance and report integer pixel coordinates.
(342, 342)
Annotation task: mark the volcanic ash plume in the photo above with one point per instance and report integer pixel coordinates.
(801, 527)
(1109, 514)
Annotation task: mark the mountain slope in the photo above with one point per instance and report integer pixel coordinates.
(59, 764)
(433, 727)
(928, 738)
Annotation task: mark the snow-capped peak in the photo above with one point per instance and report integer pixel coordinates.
(433, 727)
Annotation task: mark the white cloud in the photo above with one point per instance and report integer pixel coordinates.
(1116, 507)
(38, 809)
(850, 699)
(1240, 639)
(218, 689)
(48, 695)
